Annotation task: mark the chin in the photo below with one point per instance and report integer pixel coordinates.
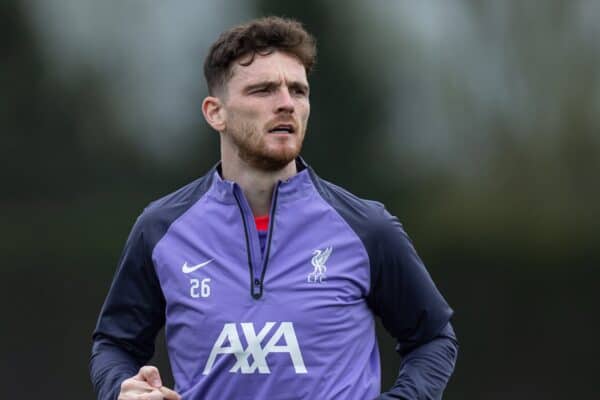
(275, 160)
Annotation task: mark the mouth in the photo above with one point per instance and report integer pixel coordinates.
(283, 129)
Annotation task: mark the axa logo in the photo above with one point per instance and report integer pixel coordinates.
(283, 340)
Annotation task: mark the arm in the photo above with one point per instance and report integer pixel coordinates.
(425, 370)
(132, 315)
(414, 312)
(110, 365)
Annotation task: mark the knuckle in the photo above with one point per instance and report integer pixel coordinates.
(149, 369)
(126, 384)
(150, 396)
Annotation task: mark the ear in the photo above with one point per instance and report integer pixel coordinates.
(214, 113)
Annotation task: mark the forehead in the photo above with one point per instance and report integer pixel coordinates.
(276, 66)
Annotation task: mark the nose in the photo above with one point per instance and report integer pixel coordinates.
(285, 102)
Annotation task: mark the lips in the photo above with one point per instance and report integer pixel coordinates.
(283, 128)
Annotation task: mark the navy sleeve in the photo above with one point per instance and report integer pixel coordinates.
(132, 315)
(426, 369)
(413, 311)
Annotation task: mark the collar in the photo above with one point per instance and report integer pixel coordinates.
(293, 188)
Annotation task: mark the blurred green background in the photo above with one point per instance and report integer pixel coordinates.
(476, 122)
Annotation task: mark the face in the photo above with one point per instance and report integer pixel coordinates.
(266, 110)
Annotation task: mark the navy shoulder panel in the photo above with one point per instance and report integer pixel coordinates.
(402, 292)
(161, 213)
(362, 215)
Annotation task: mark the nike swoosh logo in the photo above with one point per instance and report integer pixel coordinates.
(186, 269)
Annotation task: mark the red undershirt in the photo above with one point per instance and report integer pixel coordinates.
(262, 223)
(262, 226)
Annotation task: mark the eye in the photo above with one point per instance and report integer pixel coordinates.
(261, 90)
(299, 91)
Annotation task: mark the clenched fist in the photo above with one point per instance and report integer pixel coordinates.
(146, 385)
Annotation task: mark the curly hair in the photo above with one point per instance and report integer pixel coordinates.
(260, 36)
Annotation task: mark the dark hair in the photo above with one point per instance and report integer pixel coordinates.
(262, 36)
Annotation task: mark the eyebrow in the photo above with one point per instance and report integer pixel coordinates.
(274, 84)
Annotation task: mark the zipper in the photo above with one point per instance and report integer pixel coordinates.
(269, 236)
(256, 283)
(247, 243)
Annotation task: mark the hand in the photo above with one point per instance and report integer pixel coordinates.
(146, 385)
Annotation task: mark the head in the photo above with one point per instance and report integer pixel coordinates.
(258, 91)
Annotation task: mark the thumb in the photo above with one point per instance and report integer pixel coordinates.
(151, 375)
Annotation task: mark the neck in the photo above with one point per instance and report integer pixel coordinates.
(256, 184)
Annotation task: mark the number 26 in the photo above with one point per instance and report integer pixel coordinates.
(196, 284)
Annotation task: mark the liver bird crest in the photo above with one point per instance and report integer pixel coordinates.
(318, 261)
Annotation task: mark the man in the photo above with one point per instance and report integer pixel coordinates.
(266, 277)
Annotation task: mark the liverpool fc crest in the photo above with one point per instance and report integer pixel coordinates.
(318, 262)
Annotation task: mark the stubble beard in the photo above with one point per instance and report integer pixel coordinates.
(253, 150)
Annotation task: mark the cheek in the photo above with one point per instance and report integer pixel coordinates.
(304, 106)
(304, 114)
(243, 112)
(243, 122)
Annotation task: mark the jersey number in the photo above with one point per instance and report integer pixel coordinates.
(199, 288)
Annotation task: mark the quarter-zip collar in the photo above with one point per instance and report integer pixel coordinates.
(292, 189)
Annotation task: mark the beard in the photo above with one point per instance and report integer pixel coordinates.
(252, 148)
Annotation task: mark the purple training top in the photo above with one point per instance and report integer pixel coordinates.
(295, 321)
